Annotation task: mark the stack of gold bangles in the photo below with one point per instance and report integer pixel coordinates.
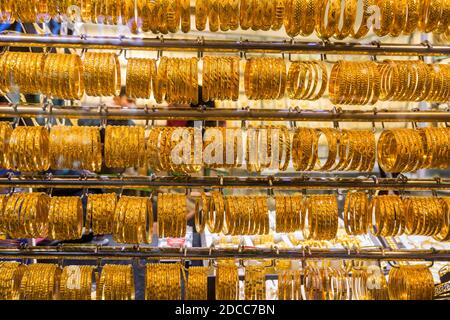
(21, 71)
(116, 283)
(356, 213)
(223, 15)
(407, 150)
(171, 215)
(247, 215)
(261, 15)
(267, 147)
(40, 282)
(369, 283)
(24, 215)
(101, 74)
(265, 78)
(133, 220)
(255, 282)
(65, 218)
(289, 285)
(177, 80)
(354, 83)
(173, 149)
(411, 282)
(163, 281)
(5, 136)
(227, 280)
(29, 149)
(412, 80)
(76, 283)
(220, 78)
(355, 149)
(100, 212)
(321, 217)
(141, 75)
(290, 213)
(62, 76)
(197, 284)
(75, 147)
(307, 80)
(11, 274)
(124, 146)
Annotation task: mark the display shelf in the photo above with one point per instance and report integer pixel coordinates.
(206, 45)
(105, 112)
(270, 182)
(96, 252)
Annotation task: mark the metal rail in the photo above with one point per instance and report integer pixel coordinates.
(96, 252)
(302, 182)
(200, 44)
(110, 113)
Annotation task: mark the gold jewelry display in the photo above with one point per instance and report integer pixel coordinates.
(444, 234)
(201, 212)
(216, 213)
(172, 213)
(321, 217)
(40, 282)
(354, 82)
(245, 215)
(289, 285)
(29, 149)
(424, 216)
(255, 283)
(101, 74)
(5, 138)
(124, 146)
(197, 283)
(133, 220)
(25, 215)
(307, 80)
(265, 78)
(11, 274)
(177, 80)
(407, 150)
(100, 212)
(368, 283)
(389, 215)
(356, 214)
(76, 283)
(174, 149)
(227, 280)
(75, 148)
(411, 282)
(261, 15)
(290, 213)
(294, 10)
(163, 281)
(220, 78)
(65, 218)
(141, 74)
(21, 72)
(62, 76)
(326, 282)
(116, 283)
(328, 18)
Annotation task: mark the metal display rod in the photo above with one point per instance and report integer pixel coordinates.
(97, 252)
(200, 44)
(303, 182)
(110, 113)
